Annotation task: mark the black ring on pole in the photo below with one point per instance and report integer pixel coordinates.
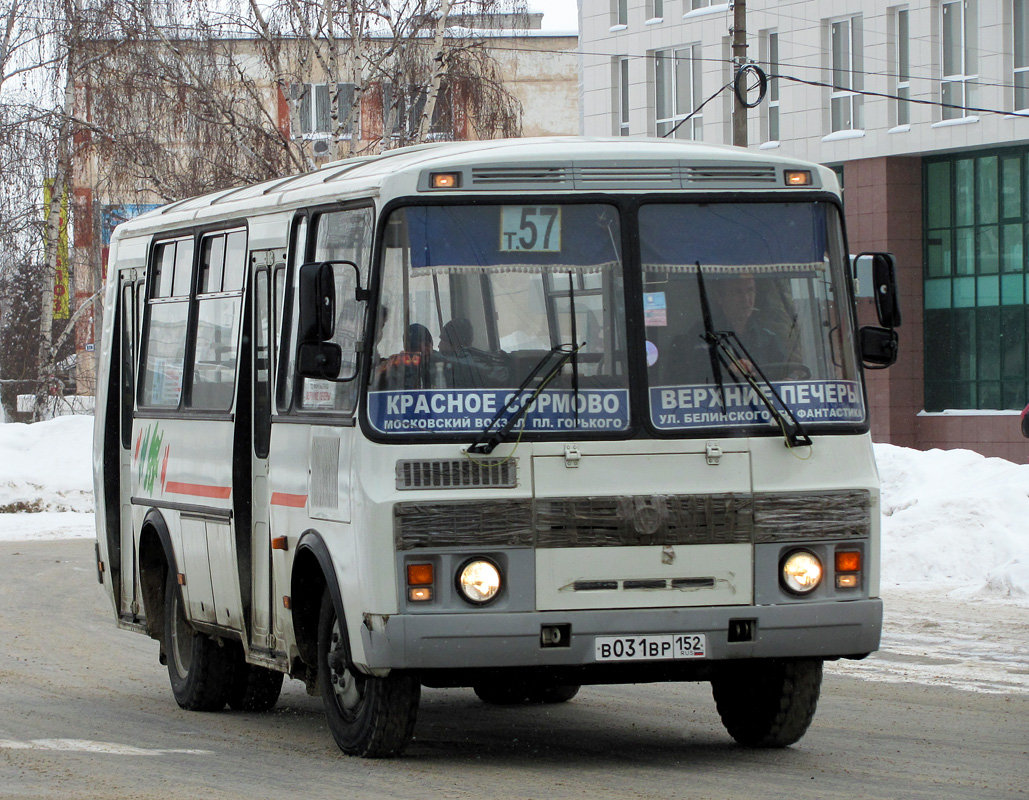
(739, 85)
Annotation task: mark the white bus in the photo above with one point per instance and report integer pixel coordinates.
(517, 416)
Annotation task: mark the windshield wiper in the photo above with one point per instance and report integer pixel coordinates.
(726, 347)
(489, 438)
(710, 336)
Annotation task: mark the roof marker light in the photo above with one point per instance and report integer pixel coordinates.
(445, 180)
(797, 177)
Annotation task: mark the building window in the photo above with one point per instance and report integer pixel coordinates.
(902, 67)
(620, 12)
(845, 56)
(708, 3)
(771, 108)
(1021, 51)
(975, 281)
(657, 9)
(677, 92)
(316, 108)
(959, 41)
(402, 109)
(622, 66)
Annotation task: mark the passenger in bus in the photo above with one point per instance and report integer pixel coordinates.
(459, 365)
(410, 368)
(459, 369)
(457, 335)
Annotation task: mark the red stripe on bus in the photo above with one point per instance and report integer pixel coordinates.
(198, 490)
(290, 500)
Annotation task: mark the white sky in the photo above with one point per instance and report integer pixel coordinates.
(559, 15)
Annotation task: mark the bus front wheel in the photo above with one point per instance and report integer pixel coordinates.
(368, 716)
(199, 668)
(768, 703)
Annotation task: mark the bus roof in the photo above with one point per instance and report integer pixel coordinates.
(555, 164)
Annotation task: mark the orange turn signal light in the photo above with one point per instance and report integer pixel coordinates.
(445, 180)
(798, 177)
(419, 574)
(848, 561)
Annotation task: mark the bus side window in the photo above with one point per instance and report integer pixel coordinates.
(278, 297)
(342, 236)
(262, 363)
(128, 360)
(287, 312)
(171, 268)
(219, 302)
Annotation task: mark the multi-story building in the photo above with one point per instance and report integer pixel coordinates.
(537, 68)
(922, 108)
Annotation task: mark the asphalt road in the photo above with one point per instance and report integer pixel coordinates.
(86, 712)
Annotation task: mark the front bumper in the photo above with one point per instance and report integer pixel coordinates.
(485, 640)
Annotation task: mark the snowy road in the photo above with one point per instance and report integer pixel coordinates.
(88, 713)
(934, 638)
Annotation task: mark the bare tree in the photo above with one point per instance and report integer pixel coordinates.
(369, 75)
(151, 101)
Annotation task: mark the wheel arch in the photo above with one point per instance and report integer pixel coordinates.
(312, 573)
(156, 560)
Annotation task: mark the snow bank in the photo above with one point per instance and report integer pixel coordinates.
(951, 518)
(46, 466)
(954, 517)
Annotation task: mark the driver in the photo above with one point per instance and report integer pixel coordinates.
(767, 333)
(767, 330)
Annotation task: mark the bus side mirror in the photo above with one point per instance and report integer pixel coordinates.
(319, 360)
(1025, 422)
(884, 288)
(878, 346)
(317, 302)
(331, 315)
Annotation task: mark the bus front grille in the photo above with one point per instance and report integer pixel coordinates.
(458, 473)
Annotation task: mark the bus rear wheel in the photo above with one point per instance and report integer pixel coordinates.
(254, 688)
(553, 693)
(501, 694)
(768, 703)
(368, 716)
(199, 668)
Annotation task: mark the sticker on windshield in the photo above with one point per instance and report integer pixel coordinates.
(700, 406)
(469, 411)
(655, 309)
(535, 229)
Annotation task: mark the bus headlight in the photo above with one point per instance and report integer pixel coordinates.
(801, 572)
(479, 581)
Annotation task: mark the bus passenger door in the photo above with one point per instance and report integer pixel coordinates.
(264, 264)
(130, 292)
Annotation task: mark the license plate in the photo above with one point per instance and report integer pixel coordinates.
(649, 648)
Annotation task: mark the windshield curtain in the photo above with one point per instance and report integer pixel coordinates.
(773, 275)
(474, 298)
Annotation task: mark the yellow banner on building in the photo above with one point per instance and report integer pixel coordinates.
(62, 284)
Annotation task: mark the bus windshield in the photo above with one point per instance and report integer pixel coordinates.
(769, 273)
(474, 301)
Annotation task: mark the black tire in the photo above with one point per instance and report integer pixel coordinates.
(199, 668)
(254, 688)
(496, 694)
(553, 694)
(368, 716)
(768, 703)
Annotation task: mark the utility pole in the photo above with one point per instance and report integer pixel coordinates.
(739, 58)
